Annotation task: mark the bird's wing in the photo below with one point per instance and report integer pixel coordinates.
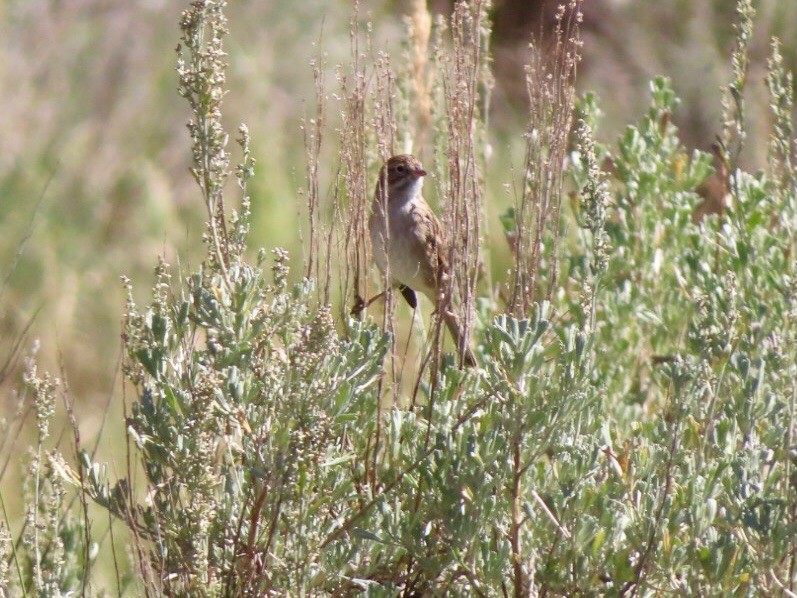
(429, 246)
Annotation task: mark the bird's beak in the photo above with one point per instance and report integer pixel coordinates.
(420, 172)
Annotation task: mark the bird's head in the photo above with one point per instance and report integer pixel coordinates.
(402, 173)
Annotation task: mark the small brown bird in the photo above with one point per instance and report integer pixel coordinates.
(410, 243)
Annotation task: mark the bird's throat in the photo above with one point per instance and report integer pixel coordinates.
(402, 193)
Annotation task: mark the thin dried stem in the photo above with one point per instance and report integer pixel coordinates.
(550, 83)
(465, 95)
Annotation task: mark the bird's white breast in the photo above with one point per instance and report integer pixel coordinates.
(404, 245)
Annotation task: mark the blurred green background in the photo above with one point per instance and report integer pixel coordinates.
(93, 127)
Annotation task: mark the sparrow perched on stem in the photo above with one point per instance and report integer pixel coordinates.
(407, 240)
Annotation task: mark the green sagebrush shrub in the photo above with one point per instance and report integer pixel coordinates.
(270, 467)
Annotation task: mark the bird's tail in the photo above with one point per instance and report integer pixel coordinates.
(463, 347)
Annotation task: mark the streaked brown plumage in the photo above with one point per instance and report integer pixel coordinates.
(409, 243)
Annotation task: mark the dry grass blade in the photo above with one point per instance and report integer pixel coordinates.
(466, 84)
(353, 89)
(419, 28)
(313, 140)
(550, 83)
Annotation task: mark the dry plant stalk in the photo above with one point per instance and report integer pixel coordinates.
(384, 125)
(313, 141)
(782, 147)
(733, 106)
(466, 92)
(550, 83)
(201, 67)
(338, 221)
(354, 159)
(367, 135)
(419, 28)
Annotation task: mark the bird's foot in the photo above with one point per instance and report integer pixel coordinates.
(359, 306)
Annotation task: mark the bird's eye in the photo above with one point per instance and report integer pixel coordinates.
(400, 168)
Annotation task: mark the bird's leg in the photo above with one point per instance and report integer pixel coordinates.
(406, 292)
(360, 305)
